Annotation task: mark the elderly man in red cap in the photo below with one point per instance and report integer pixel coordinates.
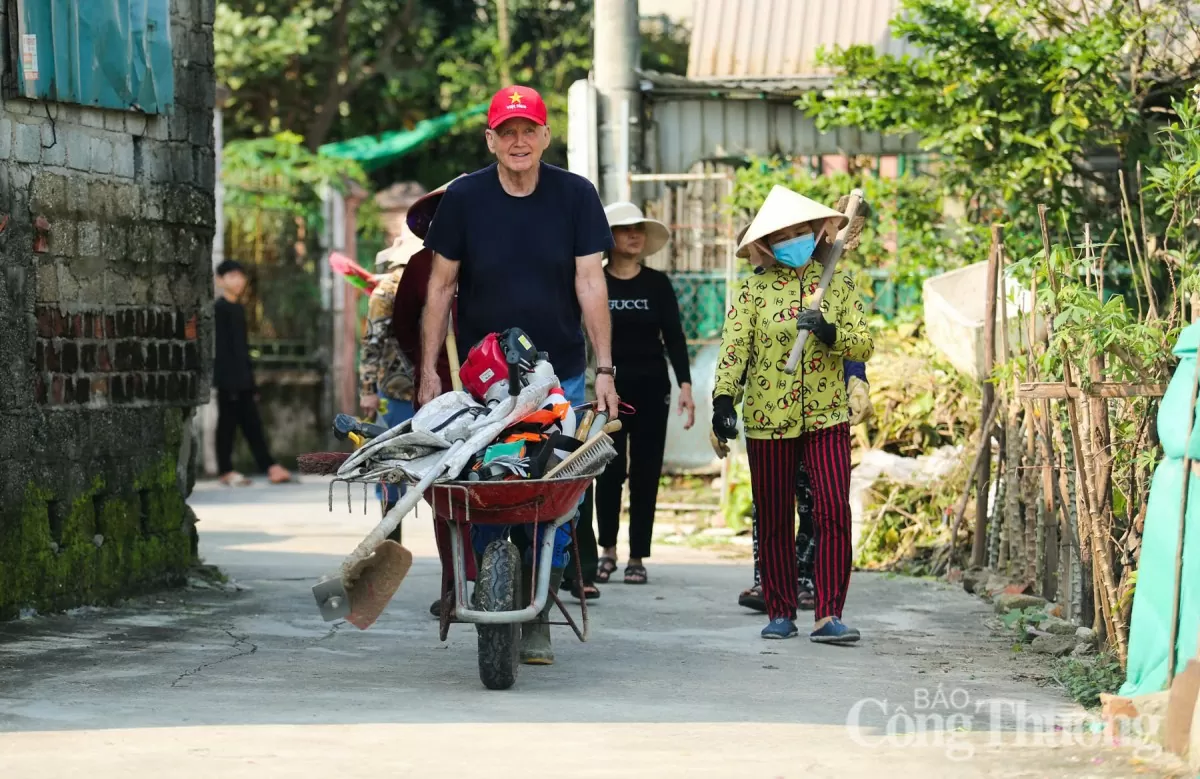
(522, 242)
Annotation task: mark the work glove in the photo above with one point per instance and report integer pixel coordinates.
(859, 395)
(814, 321)
(724, 421)
(720, 448)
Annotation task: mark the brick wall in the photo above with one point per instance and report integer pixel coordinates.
(128, 357)
(106, 230)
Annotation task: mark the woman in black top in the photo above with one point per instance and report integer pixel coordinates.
(645, 318)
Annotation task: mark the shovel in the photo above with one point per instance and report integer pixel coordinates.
(373, 572)
(829, 262)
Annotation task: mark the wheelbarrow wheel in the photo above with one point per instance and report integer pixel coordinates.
(496, 590)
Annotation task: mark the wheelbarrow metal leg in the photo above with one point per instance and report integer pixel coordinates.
(583, 636)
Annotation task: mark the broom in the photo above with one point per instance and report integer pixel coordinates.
(321, 463)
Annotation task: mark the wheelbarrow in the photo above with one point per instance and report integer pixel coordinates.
(546, 503)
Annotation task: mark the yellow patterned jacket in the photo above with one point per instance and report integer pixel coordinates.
(759, 332)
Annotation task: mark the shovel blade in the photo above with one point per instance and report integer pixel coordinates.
(374, 582)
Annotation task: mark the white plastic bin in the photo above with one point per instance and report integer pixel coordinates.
(955, 308)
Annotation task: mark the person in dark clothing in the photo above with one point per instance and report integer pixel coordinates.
(233, 378)
(645, 319)
(521, 242)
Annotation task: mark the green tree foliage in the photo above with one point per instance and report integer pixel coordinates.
(1025, 101)
(329, 71)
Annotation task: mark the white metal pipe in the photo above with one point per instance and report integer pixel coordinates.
(541, 591)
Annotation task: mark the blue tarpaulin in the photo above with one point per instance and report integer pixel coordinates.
(102, 53)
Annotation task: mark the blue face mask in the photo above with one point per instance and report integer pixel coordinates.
(795, 252)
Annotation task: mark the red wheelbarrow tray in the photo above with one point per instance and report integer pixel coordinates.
(514, 502)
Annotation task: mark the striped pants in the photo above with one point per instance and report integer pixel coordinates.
(826, 457)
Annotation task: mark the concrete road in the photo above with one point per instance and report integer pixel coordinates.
(674, 681)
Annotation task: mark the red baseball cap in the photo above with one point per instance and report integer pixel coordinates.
(513, 102)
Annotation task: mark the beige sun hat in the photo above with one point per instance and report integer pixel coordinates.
(784, 208)
(400, 252)
(624, 214)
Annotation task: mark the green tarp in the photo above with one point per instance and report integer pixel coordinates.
(1154, 598)
(374, 151)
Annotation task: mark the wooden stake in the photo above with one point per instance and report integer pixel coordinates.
(985, 445)
(989, 400)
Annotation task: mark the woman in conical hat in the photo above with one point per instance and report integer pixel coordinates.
(793, 419)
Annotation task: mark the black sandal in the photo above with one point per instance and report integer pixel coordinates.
(752, 598)
(635, 574)
(605, 569)
(808, 598)
(590, 591)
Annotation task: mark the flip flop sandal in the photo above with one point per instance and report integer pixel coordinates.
(605, 569)
(635, 574)
(590, 591)
(752, 598)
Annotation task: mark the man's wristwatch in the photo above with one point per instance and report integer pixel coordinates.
(607, 370)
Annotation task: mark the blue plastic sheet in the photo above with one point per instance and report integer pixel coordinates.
(102, 53)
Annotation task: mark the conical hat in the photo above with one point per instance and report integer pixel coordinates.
(784, 208)
(400, 252)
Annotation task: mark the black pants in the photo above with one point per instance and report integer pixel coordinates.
(237, 408)
(804, 536)
(643, 438)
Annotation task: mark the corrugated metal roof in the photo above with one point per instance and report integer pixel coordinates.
(769, 39)
(670, 84)
(687, 130)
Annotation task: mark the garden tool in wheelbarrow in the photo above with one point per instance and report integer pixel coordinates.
(855, 209)
(435, 445)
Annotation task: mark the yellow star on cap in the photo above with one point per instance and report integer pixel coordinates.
(515, 97)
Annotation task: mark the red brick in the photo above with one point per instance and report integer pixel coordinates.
(40, 392)
(70, 358)
(135, 385)
(103, 361)
(98, 326)
(110, 326)
(99, 388)
(189, 330)
(39, 358)
(87, 357)
(56, 390)
(117, 387)
(52, 350)
(45, 323)
(77, 326)
(83, 390)
(62, 324)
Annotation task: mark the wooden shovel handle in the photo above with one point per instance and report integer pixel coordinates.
(452, 355)
(829, 261)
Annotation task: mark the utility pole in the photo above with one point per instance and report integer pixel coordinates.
(617, 45)
(505, 41)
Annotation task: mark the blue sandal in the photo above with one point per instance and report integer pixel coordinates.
(834, 632)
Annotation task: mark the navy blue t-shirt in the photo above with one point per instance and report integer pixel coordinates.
(516, 258)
